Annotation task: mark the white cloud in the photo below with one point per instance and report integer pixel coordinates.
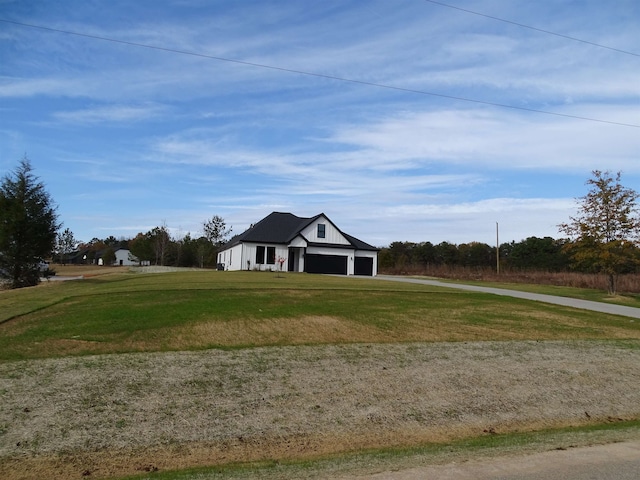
(111, 114)
(499, 139)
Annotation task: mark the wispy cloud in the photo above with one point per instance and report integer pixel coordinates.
(111, 114)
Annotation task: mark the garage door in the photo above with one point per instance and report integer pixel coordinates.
(363, 266)
(334, 264)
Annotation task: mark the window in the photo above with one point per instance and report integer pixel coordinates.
(265, 253)
(321, 230)
(271, 255)
(259, 255)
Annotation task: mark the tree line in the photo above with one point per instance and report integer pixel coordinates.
(155, 247)
(533, 253)
(604, 237)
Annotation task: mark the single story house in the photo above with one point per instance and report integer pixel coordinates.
(283, 241)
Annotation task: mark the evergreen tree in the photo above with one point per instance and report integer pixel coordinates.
(28, 226)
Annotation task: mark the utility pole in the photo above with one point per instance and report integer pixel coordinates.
(497, 250)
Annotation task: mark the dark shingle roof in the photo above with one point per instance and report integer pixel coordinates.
(359, 244)
(274, 228)
(278, 227)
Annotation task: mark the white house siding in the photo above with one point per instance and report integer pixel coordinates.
(332, 234)
(347, 252)
(231, 258)
(239, 258)
(298, 242)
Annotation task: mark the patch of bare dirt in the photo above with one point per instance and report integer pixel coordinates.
(109, 415)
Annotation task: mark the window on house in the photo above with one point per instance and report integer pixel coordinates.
(259, 255)
(321, 230)
(271, 255)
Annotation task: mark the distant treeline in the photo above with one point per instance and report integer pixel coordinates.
(153, 248)
(532, 254)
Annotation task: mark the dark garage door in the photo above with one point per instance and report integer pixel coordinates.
(363, 266)
(334, 264)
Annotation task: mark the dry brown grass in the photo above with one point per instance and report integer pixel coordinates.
(300, 331)
(449, 324)
(118, 414)
(444, 325)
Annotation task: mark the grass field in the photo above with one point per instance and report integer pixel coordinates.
(218, 368)
(130, 312)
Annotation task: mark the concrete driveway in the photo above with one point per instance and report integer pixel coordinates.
(538, 297)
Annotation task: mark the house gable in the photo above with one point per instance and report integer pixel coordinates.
(321, 230)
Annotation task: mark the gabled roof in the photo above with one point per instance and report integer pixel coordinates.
(278, 227)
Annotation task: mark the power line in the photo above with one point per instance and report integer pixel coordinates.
(317, 75)
(626, 52)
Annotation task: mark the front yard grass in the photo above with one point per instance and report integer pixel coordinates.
(199, 310)
(332, 375)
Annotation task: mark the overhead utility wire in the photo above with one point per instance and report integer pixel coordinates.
(533, 28)
(318, 75)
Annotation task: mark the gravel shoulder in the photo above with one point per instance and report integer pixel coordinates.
(119, 414)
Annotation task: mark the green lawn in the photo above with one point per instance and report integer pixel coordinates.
(210, 309)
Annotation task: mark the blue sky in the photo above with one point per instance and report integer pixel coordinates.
(127, 137)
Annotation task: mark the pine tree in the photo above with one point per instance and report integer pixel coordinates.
(28, 226)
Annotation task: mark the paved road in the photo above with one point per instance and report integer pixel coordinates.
(567, 302)
(616, 461)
